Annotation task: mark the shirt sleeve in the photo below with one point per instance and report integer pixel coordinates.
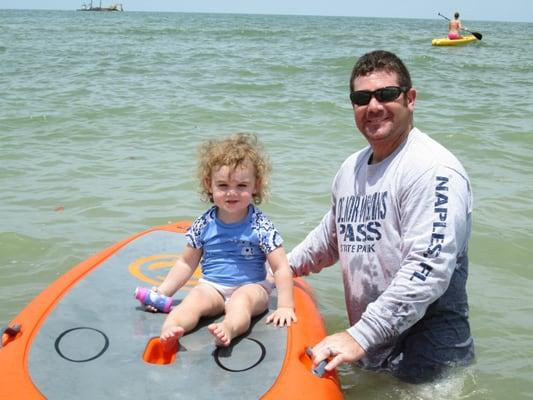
(318, 250)
(269, 237)
(196, 231)
(435, 214)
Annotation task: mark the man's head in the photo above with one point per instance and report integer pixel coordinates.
(383, 101)
(381, 60)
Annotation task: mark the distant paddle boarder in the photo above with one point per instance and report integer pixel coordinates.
(454, 26)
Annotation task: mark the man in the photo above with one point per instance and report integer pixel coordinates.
(399, 225)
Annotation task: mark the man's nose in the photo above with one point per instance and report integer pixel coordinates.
(374, 104)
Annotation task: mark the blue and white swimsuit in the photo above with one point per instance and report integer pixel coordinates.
(234, 254)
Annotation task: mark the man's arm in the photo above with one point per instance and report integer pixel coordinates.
(318, 250)
(435, 223)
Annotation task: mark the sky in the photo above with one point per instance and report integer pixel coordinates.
(470, 10)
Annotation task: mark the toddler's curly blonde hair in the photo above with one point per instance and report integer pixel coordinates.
(234, 151)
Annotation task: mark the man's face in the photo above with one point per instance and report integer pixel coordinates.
(384, 124)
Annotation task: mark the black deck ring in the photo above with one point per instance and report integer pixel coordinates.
(261, 358)
(60, 337)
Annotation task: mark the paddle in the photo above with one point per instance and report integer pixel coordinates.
(478, 35)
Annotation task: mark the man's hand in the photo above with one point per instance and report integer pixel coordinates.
(339, 348)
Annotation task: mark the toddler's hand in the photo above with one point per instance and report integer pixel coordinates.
(282, 316)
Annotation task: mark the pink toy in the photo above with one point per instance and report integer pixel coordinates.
(150, 298)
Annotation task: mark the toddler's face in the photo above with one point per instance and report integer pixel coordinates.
(233, 191)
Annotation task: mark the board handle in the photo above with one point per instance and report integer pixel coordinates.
(11, 332)
(319, 370)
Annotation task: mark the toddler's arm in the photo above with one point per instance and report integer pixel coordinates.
(284, 314)
(180, 273)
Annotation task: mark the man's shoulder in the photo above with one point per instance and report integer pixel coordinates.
(427, 152)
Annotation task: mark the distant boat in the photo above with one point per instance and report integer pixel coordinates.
(113, 7)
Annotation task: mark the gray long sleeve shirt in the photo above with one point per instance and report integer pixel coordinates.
(399, 229)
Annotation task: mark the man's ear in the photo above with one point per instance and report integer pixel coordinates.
(411, 98)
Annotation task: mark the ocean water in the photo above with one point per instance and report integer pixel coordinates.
(101, 115)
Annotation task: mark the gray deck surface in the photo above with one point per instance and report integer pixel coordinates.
(91, 345)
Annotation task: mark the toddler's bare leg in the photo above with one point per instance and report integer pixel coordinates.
(202, 301)
(245, 303)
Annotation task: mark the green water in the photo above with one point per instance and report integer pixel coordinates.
(101, 114)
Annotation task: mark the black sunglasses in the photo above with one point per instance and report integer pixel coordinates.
(383, 95)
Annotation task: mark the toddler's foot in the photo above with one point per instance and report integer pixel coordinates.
(221, 333)
(170, 337)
